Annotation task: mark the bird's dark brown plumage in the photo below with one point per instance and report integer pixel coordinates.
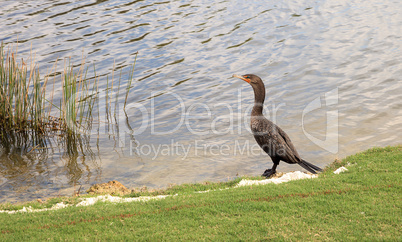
(271, 138)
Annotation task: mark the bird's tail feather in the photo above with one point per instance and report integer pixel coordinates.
(310, 167)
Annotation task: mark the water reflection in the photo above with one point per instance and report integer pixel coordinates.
(28, 161)
(22, 167)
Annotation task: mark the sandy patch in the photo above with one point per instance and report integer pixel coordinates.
(290, 176)
(87, 202)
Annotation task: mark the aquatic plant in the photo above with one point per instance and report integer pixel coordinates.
(26, 99)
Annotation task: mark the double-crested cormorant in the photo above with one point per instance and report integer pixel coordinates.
(272, 139)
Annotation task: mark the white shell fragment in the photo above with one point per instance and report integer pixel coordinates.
(340, 169)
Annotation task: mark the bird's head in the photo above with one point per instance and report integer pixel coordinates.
(257, 84)
(250, 78)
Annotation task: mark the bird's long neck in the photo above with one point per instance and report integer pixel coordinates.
(259, 97)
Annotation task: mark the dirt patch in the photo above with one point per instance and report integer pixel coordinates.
(111, 187)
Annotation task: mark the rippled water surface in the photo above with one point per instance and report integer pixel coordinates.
(332, 71)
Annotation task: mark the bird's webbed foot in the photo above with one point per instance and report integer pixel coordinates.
(268, 172)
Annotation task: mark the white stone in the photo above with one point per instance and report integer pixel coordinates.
(340, 169)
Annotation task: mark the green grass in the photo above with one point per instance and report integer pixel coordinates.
(363, 203)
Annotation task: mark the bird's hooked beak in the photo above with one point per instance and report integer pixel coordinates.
(242, 77)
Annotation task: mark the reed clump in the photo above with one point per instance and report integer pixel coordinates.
(27, 100)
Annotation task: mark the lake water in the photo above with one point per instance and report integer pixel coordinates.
(332, 71)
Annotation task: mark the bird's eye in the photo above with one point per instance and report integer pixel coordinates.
(248, 77)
